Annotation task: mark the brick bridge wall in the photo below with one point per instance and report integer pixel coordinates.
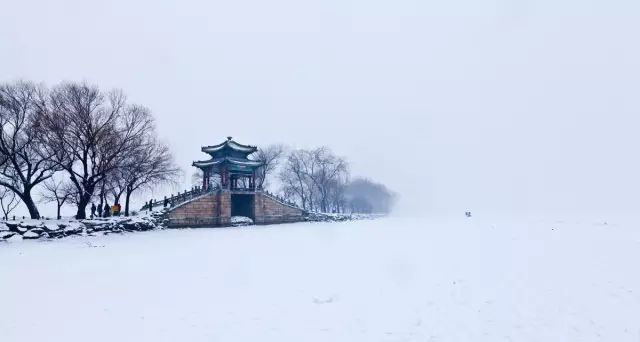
(267, 210)
(211, 209)
(214, 210)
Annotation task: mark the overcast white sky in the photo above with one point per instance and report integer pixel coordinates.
(503, 106)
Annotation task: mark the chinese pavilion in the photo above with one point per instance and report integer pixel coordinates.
(229, 190)
(230, 163)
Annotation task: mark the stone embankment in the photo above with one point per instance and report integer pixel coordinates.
(54, 229)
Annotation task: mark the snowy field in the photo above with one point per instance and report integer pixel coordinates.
(385, 280)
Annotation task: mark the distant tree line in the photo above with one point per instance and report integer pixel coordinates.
(77, 144)
(319, 180)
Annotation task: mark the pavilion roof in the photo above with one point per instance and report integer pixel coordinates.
(229, 144)
(229, 160)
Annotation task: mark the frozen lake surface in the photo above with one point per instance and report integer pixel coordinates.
(391, 279)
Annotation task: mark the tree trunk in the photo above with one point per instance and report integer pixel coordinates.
(101, 198)
(82, 207)
(117, 195)
(84, 200)
(126, 203)
(31, 205)
(59, 206)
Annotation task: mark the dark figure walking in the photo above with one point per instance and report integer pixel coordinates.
(150, 205)
(166, 202)
(99, 211)
(107, 210)
(93, 210)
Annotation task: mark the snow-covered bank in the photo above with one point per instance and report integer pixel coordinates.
(377, 280)
(41, 229)
(331, 217)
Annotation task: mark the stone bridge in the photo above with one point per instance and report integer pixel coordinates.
(215, 209)
(229, 189)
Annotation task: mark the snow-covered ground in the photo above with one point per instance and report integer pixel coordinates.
(390, 279)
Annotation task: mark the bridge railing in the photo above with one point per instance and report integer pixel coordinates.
(187, 195)
(281, 200)
(176, 199)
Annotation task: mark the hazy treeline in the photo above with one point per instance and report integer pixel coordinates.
(76, 144)
(319, 180)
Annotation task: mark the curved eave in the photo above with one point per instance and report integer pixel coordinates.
(206, 163)
(229, 144)
(245, 163)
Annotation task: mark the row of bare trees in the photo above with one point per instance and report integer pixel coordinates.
(319, 180)
(315, 178)
(78, 143)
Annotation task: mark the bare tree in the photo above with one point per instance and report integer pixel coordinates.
(196, 178)
(90, 133)
(8, 201)
(294, 178)
(270, 157)
(22, 164)
(325, 170)
(151, 163)
(116, 182)
(337, 195)
(58, 191)
(102, 188)
(316, 178)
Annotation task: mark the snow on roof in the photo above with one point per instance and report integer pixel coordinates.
(229, 143)
(210, 162)
(247, 162)
(230, 160)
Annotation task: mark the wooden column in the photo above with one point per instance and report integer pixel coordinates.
(225, 178)
(204, 180)
(252, 180)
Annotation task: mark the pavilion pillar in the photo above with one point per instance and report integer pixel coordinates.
(252, 180)
(204, 180)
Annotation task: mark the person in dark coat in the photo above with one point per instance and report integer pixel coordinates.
(93, 210)
(107, 210)
(99, 210)
(166, 201)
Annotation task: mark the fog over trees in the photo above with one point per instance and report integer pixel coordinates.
(319, 180)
